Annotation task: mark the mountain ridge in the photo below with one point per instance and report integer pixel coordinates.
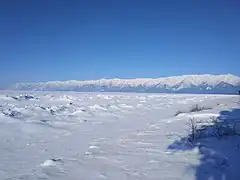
(204, 83)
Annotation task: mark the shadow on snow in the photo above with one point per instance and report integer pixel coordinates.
(218, 145)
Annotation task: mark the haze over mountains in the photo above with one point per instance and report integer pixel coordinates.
(205, 83)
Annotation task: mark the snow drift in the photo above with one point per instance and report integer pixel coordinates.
(206, 83)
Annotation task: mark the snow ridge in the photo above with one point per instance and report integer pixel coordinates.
(205, 83)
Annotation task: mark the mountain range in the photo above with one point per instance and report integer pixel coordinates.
(205, 83)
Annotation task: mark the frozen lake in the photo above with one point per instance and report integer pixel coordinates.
(114, 136)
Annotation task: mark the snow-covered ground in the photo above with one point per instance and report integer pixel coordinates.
(115, 136)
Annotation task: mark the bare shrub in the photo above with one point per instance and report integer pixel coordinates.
(214, 128)
(224, 128)
(178, 112)
(218, 128)
(194, 108)
(193, 130)
(198, 108)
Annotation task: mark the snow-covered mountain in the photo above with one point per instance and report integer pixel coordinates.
(205, 83)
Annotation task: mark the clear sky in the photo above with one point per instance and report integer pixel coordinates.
(91, 39)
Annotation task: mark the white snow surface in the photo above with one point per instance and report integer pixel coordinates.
(114, 136)
(205, 83)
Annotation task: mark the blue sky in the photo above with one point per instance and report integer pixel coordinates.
(64, 39)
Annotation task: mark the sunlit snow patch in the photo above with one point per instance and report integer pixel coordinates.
(48, 162)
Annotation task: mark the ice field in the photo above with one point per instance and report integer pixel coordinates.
(116, 136)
